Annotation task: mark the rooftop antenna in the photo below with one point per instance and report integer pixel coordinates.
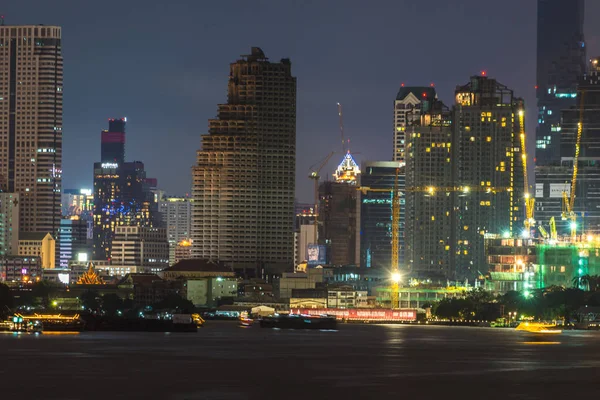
(342, 127)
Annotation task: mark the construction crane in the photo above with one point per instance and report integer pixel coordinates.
(529, 201)
(394, 267)
(553, 233)
(568, 211)
(339, 106)
(314, 175)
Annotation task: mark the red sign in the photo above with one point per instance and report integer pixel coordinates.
(361, 314)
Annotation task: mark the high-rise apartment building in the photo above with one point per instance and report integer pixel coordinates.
(176, 215)
(73, 240)
(430, 215)
(376, 213)
(9, 224)
(243, 183)
(487, 161)
(410, 102)
(553, 180)
(141, 247)
(561, 61)
(31, 96)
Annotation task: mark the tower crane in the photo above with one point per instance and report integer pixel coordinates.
(339, 106)
(529, 201)
(568, 211)
(314, 175)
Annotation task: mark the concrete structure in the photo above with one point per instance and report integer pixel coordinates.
(20, 269)
(77, 202)
(196, 269)
(207, 292)
(561, 59)
(308, 298)
(376, 214)
(346, 297)
(487, 160)
(298, 280)
(429, 214)
(338, 222)
(73, 240)
(112, 149)
(38, 244)
(176, 215)
(304, 237)
(122, 195)
(31, 86)
(9, 224)
(244, 180)
(183, 251)
(142, 247)
(410, 102)
(553, 180)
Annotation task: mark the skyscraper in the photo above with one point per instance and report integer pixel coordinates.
(121, 194)
(410, 102)
(243, 183)
(31, 92)
(487, 161)
(112, 148)
(376, 213)
(430, 244)
(561, 61)
(176, 215)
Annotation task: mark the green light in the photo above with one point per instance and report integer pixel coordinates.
(527, 293)
(573, 226)
(506, 235)
(580, 271)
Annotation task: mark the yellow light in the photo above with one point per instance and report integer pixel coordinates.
(590, 238)
(526, 195)
(431, 190)
(396, 277)
(466, 189)
(521, 113)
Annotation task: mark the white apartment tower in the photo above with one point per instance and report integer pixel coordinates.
(31, 98)
(176, 214)
(243, 183)
(141, 247)
(408, 106)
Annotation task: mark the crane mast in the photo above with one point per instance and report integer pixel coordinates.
(569, 201)
(529, 201)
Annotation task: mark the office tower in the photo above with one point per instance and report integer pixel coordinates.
(73, 240)
(38, 244)
(410, 102)
(487, 161)
(145, 248)
(31, 92)
(9, 224)
(120, 198)
(561, 60)
(376, 213)
(337, 222)
(176, 215)
(243, 183)
(430, 224)
(112, 149)
(553, 180)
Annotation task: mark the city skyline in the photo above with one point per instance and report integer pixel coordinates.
(165, 109)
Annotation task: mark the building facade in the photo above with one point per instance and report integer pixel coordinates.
(244, 180)
(554, 180)
(37, 244)
(488, 163)
(410, 102)
(430, 244)
(561, 61)
(338, 221)
(144, 247)
(176, 215)
(31, 86)
(9, 224)
(73, 240)
(112, 148)
(376, 213)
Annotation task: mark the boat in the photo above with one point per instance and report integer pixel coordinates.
(299, 322)
(538, 327)
(245, 319)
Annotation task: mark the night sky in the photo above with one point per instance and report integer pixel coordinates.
(164, 65)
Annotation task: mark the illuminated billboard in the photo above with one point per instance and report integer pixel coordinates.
(317, 254)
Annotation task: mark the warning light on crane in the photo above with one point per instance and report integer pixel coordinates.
(396, 277)
(483, 73)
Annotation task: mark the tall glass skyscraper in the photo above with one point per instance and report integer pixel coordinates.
(561, 61)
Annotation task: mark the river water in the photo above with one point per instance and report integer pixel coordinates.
(225, 361)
